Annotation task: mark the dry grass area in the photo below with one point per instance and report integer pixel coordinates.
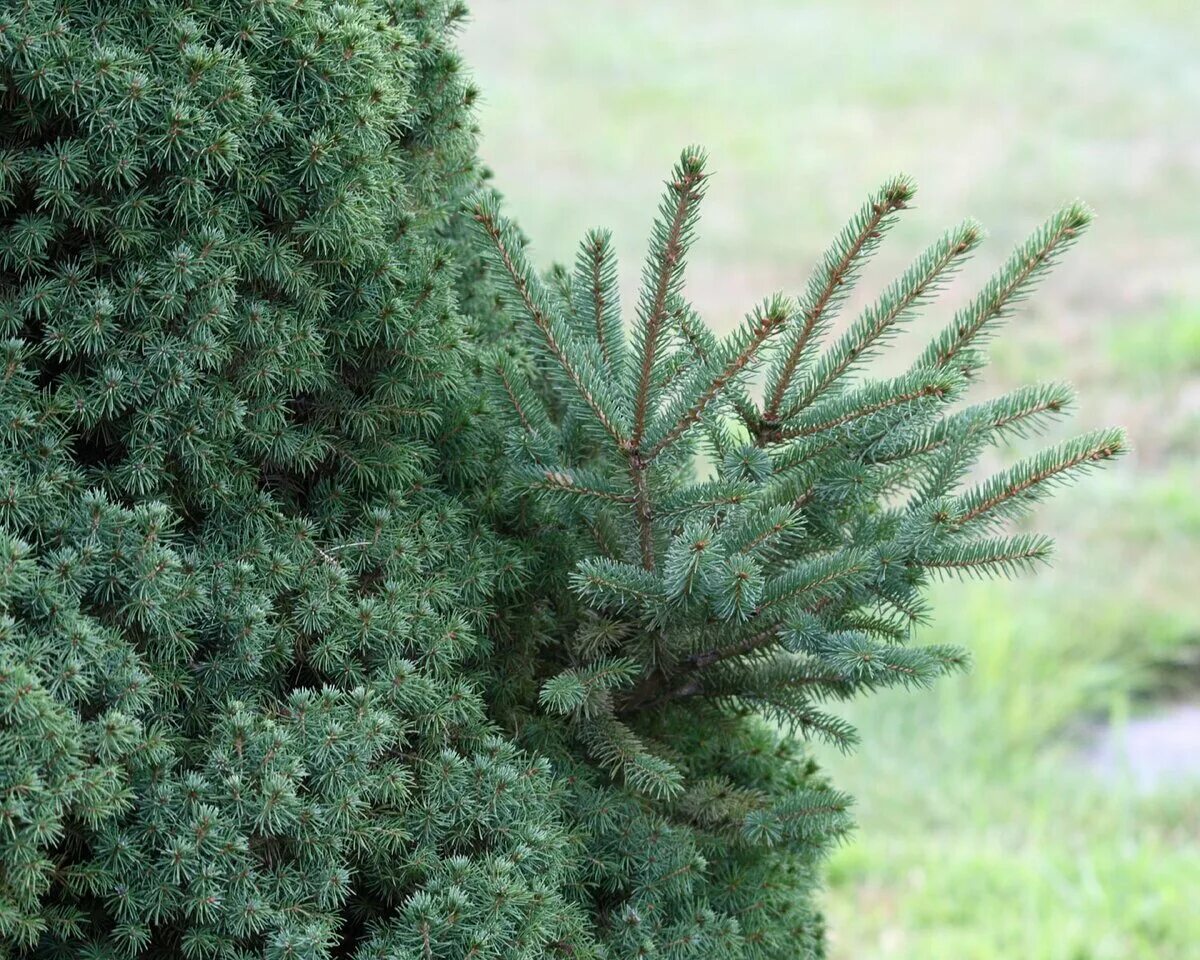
(981, 837)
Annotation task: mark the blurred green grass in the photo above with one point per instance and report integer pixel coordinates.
(983, 832)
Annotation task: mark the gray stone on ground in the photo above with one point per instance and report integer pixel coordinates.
(1154, 751)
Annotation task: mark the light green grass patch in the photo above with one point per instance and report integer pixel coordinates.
(1165, 343)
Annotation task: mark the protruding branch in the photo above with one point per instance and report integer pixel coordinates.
(529, 293)
(1006, 556)
(917, 283)
(663, 272)
(1017, 413)
(512, 383)
(832, 281)
(1028, 263)
(874, 399)
(1023, 480)
(596, 294)
(575, 482)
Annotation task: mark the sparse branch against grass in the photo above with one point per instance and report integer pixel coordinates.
(794, 549)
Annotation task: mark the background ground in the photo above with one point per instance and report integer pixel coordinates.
(1047, 805)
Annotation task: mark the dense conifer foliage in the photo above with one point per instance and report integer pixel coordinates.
(238, 594)
(359, 592)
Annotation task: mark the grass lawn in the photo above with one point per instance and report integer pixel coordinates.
(984, 832)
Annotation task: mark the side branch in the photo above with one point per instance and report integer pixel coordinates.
(1049, 466)
(686, 189)
(1015, 413)
(521, 283)
(565, 481)
(918, 282)
(595, 252)
(764, 638)
(765, 323)
(1021, 270)
(938, 390)
(510, 391)
(892, 198)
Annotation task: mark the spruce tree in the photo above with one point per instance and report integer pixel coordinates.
(243, 591)
(684, 627)
(302, 655)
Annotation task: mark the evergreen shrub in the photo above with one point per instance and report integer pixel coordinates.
(360, 592)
